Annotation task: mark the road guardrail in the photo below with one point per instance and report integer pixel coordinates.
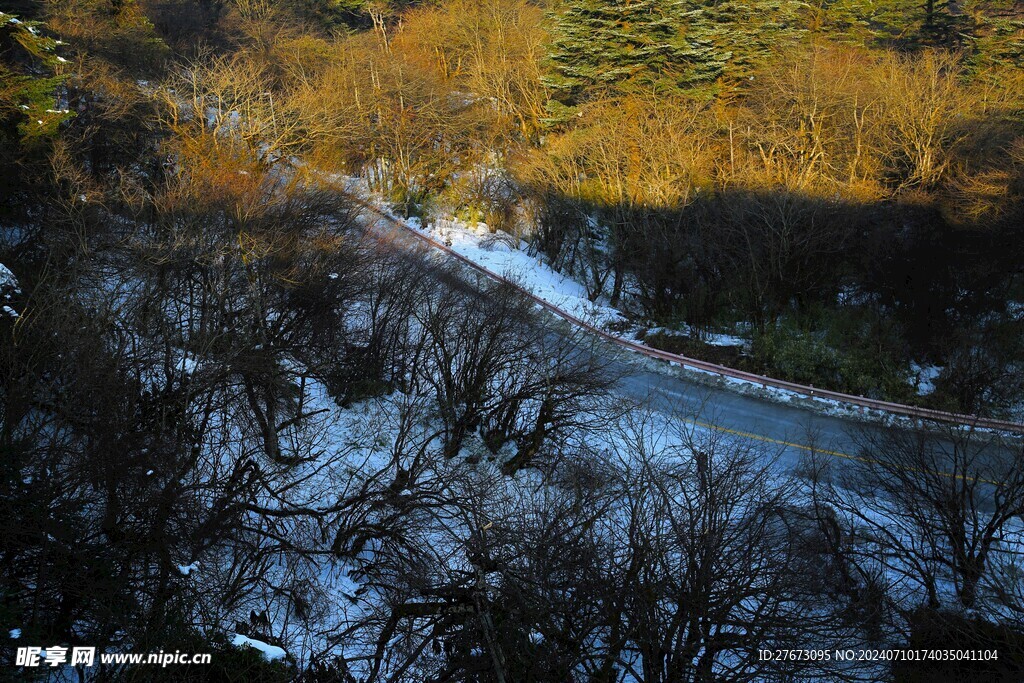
(696, 364)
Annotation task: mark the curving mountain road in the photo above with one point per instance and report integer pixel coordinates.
(794, 430)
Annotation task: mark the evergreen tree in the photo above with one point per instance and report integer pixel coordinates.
(31, 81)
(601, 47)
(33, 104)
(754, 30)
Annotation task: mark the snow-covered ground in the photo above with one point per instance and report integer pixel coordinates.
(495, 252)
(342, 587)
(510, 257)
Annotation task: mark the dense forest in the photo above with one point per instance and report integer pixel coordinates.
(230, 413)
(840, 183)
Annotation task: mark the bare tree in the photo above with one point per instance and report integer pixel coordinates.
(932, 509)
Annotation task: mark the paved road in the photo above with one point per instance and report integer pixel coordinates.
(792, 430)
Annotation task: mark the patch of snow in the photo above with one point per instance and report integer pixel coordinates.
(270, 652)
(716, 339)
(7, 279)
(188, 364)
(926, 376)
(710, 338)
(187, 569)
(477, 244)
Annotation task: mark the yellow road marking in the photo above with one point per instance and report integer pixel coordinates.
(825, 451)
(780, 442)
